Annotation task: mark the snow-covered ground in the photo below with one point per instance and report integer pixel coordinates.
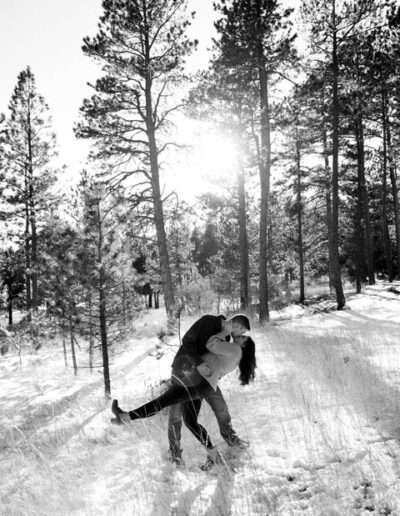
(322, 417)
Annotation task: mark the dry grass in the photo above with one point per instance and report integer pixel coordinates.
(322, 419)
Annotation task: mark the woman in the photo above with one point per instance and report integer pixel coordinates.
(222, 357)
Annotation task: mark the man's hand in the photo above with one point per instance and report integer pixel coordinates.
(204, 369)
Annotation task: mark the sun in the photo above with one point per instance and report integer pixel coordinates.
(208, 163)
(218, 156)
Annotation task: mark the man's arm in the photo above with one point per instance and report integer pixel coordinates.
(194, 340)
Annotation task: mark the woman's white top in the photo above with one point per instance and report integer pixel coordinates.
(223, 357)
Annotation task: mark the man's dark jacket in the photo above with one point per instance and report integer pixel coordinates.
(194, 341)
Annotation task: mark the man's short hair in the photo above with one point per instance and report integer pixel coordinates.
(242, 319)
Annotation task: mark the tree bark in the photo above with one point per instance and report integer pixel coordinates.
(124, 305)
(103, 311)
(35, 297)
(65, 353)
(364, 194)
(341, 301)
(10, 307)
(72, 340)
(358, 236)
(28, 295)
(387, 245)
(32, 216)
(393, 181)
(328, 201)
(155, 182)
(103, 335)
(265, 172)
(91, 332)
(300, 222)
(243, 242)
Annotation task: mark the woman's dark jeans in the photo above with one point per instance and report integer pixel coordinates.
(190, 397)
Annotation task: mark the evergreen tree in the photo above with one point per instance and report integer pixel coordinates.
(256, 35)
(29, 146)
(99, 258)
(381, 49)
(180, 245)
(142, 46)
(296, 124)
(225, 100)
(217, 247)
(332, 25)
(12, 278)
(63, 288)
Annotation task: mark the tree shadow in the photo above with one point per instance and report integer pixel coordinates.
(354, 376)
(188, 498)
(221, 502)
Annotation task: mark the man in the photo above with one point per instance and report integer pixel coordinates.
(187, 358)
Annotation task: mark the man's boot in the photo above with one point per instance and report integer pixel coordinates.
(175, 456)
(236, 442)
(213, 458)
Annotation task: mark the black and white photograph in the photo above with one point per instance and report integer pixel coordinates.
(200, 257)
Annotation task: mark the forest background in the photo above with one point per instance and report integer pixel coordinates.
(295, 123)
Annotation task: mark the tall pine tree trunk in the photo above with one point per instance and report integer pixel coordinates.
(103, 310)
(243, 242)
(72, 341)
(32, 215)
(65, 353)
(364, 194)
(91, 332)
(335, 174)
(393, 181)
(124, 304)
(10, 306)
(35, 297)
(300, 222)
(387, 245)
(328, 201)
(28, 292)
(156, 191)
(265, 173)
(103, 334)
(358, 236)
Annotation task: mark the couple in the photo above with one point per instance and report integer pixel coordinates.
(206, 354)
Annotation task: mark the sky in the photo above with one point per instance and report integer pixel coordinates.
(47, 35)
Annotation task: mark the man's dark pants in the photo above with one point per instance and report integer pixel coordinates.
(218, 406)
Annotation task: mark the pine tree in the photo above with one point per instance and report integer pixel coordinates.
(226, 100)
(382, 69)
(62, 288)
(12, 278)
(333, 23)
(141, 45)
(102, 263)
(256, 35)
(180, 245)
(296, 122)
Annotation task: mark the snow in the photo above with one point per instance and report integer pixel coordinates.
(322, 419)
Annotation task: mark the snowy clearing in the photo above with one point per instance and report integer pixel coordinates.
(323, 419)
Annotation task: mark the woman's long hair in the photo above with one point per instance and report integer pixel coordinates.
(247, 364)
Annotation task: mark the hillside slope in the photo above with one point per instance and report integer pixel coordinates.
(322, 418)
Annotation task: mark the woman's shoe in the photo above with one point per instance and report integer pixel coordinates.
(175, 456)
(121, 417)
(214, 458)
